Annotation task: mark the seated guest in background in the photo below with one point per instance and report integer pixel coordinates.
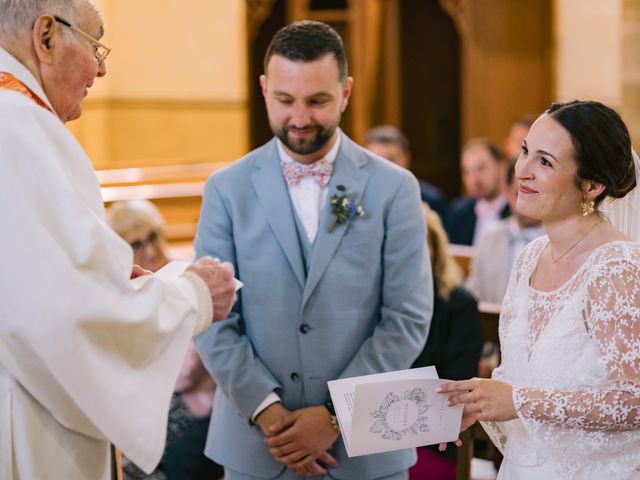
(517, 133)
(455, 339)
(390, 143)
(140, 223)
(499, 247)
(90, 346)
(482, 169)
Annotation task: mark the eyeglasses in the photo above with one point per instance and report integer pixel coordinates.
(100, 51)
(152, 239)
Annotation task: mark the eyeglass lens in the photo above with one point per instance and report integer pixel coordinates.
(139, 245)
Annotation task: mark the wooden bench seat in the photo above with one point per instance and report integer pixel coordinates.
(175, 189)
(490, 313)
(170, 181)
(463, 255)
(153, 192)
(160, 174)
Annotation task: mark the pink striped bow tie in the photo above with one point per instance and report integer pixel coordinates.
(294, 172)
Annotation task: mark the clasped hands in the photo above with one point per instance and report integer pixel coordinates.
(483, 399)
(299, 439)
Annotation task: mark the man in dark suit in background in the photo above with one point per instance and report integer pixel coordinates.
(390, 143)
(482, 168)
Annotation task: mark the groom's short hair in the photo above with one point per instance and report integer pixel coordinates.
(306, 41)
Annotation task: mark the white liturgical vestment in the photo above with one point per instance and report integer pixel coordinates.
(87, 356)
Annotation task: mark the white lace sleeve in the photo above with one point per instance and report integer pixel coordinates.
(612, 317)
(496, 430)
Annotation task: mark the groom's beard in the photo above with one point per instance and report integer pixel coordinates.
(315, 140)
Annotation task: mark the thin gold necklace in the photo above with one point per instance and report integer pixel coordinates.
(575, 244)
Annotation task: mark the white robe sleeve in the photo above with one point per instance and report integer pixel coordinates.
(100, 352)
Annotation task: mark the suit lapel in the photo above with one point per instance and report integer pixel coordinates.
(505, 212)
(347, 171)
(273, 194)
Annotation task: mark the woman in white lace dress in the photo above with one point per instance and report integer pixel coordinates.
(565, 403)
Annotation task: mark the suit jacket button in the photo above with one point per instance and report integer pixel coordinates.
(295, 377)
(304, 328)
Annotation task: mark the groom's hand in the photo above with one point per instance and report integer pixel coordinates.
(270, 415)
(300, 438)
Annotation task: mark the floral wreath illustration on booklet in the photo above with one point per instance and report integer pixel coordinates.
(398, 416)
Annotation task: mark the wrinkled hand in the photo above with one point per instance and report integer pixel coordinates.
(468, 419)
(219, 278)
(300, 438)
(484, 399)
(138, 271)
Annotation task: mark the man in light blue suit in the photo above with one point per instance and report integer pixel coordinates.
(330, 243)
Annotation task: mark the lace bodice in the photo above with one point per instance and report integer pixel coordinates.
(573, 358)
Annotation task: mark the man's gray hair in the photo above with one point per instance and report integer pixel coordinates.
(17, 16)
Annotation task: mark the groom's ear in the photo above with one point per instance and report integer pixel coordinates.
(346, 93)
(263, 85)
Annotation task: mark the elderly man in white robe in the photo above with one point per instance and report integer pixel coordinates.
(89, 355)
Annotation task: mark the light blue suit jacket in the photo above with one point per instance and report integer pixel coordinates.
(364, 306)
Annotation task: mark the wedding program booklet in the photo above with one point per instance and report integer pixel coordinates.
(393, 410)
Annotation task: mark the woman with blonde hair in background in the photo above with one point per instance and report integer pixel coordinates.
(455, 338)
(141, 225)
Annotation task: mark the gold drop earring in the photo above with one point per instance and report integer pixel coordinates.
(588, 207)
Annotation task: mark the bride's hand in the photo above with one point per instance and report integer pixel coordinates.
(467, 420)
(485, 399)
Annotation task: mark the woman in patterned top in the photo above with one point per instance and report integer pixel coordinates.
(565, 403)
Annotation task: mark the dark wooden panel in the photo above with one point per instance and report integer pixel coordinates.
(430, 66)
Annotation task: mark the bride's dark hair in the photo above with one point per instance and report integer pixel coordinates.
(602, 145)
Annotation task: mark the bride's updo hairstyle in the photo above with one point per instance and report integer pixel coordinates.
(602, 145)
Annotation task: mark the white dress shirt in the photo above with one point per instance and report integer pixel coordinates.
(487, 212)
(521, 237)
(307, 196)
(309, 199)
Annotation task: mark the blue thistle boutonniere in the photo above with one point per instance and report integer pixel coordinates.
(343, 207)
